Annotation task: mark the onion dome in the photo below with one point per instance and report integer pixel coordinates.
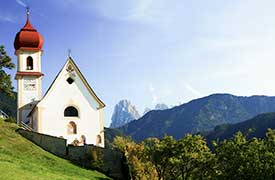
(28, 38)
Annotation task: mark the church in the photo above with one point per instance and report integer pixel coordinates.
(70, 109)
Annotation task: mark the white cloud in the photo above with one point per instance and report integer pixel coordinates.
(142, 11)
(7, 18)
(153, 93)
(193, 90)
(125, 10)
(22, 3)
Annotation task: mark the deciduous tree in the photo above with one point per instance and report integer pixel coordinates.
(5, 79)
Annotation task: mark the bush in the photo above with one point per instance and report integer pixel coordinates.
(96, 158)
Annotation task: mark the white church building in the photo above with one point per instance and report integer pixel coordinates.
(69, 109)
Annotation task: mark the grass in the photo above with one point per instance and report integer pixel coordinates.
(20, 159)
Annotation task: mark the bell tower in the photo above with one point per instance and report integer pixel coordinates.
(28, 49)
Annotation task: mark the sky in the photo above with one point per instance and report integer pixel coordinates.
(153, 51)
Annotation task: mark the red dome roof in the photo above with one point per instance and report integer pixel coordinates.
(28, 38)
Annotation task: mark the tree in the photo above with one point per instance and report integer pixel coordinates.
(192, 159)
(269, 160)
(5, 79)
(139, 167)
(159, 153)
(239, 158)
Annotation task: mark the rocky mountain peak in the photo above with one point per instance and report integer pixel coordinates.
(161, 106)
(124, 112)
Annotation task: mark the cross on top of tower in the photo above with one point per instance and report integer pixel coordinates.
(69, 53)
(28, 11)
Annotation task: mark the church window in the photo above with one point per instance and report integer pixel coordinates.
(82, 140)
(71, 111)
(71, 128)
(29, 63)
(70, 80)
(98, 139)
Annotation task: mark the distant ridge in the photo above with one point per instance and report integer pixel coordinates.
(198, 115)
(258, 124)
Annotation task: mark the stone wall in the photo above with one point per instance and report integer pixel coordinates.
(52, 144)
(110, 162)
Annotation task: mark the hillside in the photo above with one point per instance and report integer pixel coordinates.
(198, 115)
(258, 124)
(20, 159)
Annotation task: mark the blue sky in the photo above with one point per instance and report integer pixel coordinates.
(153, 51)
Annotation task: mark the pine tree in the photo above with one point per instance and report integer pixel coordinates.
(5, 79)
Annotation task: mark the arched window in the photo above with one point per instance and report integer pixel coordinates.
(98, 139)
(71, 128)
(71, 111)
(82, 140)
(29, 63)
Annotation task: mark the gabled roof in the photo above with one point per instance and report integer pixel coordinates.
(29, 115)
(70, 60)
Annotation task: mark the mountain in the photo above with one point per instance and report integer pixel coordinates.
(146, 110)
(8, 104)
(161, 106)
(259, 125)
(198, 115)
(124, 112)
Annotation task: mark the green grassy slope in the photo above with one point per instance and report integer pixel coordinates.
(21, 159)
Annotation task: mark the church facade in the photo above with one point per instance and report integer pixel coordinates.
(70, 109)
